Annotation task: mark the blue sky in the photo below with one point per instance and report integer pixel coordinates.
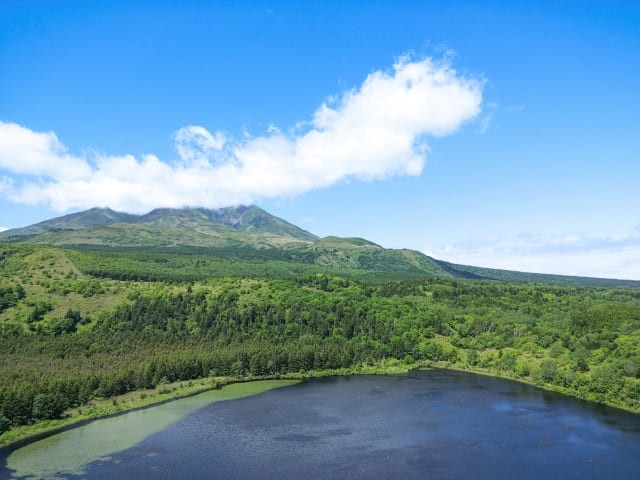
(500, 134)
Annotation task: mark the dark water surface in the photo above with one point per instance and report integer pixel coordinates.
(435, 425)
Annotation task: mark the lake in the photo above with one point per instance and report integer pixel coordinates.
(434, 424)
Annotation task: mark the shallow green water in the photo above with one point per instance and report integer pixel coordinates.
(69, 452)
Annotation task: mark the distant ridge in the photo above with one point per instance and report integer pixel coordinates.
(483, 273)
(93, 217)
(250, 234)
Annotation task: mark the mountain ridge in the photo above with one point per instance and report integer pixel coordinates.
(239, 218)
(248, 234)
(96, 216)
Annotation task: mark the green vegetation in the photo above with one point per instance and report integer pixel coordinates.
(69, 338)
(194, 264)
(84, 323)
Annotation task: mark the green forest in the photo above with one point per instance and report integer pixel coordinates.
(77, 325)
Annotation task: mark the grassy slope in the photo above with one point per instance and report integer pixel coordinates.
(231, 252)
(51, 279)
(190, 263)
(95, 281)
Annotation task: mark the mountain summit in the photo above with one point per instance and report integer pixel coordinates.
(163, 227)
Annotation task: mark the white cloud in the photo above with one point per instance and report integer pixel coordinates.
(2, 229)
(196, 145)
(373, 132)
(570, 254)
(24, 151)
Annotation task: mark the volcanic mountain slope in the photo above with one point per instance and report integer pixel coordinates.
(249, 235)
(238, 234)
(95, 217)
(166, 227)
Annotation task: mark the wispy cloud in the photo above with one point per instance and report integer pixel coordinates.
(372, 132)
(492, 110)
(571, 254)
(485, 120)
(2, 229)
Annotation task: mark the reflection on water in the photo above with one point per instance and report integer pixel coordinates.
(434, 424)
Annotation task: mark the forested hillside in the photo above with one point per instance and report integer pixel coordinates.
(77, 325)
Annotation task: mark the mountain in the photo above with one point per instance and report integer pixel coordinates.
(94, 217)
(242, 218)
(244, 240)
(163, 227)
(253, 218)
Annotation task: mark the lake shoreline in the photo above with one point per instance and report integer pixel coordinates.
(545, 386)
(436, 422)
(48, 428)
(126, 403)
